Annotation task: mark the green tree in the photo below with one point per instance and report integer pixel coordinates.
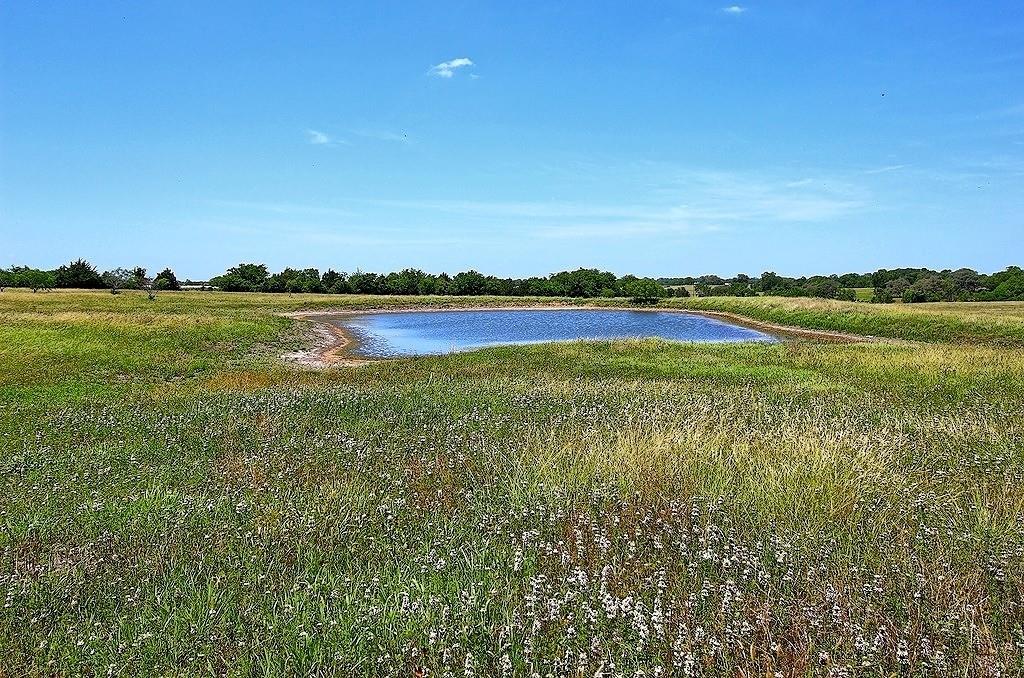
(468, 283)
(644, 291)
(243, 278)
(139, 281)
(118, 279)
(882, 296)
(166, 280)
(32, 278)
(331, 281)
(930, 288)
(79, 274)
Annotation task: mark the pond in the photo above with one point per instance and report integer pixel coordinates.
(380, 335)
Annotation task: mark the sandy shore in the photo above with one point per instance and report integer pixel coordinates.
(331, 345)
(334, 346)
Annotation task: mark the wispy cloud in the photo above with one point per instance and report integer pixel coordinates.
(884, 170)
(446, 69)
(734, 9)
(318, 138)
(687, 203)
(382, 135)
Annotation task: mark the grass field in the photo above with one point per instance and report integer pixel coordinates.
(177, 501)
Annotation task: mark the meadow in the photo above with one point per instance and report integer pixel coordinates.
(176, 500)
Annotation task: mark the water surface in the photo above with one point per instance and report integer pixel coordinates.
(435, 332)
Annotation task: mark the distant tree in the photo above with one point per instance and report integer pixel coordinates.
(823, 287)
(166, 280)
(16, 276)
(32, 278)
(929, 288)
(855, 280)
(78, 274)
(468, 283)
(1007, 285)
(404, 282)
(896, 288)
(681, 291)
(583, 282)
(443, 284)
(770, 281)
(495, 286)
(118, 279)
(367, 283)
(1011, 289)
(139, 281)
(966, 279)
(846, 294)
(293, 280)
(243, 278)
(644, 291)
(882, 296)
(330, 280)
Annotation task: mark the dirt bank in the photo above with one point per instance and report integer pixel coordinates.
(333, 346)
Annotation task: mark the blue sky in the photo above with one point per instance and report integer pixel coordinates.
(661, 138)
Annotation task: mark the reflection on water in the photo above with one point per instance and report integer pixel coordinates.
(433, 332)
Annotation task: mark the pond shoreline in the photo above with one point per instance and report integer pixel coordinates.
(334, 345)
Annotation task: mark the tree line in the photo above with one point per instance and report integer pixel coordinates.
(80, 274)
(909, 285)
(250, 277)
(584, 283)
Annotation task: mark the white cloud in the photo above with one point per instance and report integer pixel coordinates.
(446, 69)
(734, 9)
(318, 138)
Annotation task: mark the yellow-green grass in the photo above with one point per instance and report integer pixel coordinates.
(176, 501)
(864, 293)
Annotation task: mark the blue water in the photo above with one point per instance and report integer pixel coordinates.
(434, 332)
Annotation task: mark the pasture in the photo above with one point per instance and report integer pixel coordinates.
(178, 501)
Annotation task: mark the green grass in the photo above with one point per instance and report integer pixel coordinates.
(864, 293)
(995, 323)
(176, 501)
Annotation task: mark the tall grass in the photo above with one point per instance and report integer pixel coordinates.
(586, 508)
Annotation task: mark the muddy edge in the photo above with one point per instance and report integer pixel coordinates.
(333, 345)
